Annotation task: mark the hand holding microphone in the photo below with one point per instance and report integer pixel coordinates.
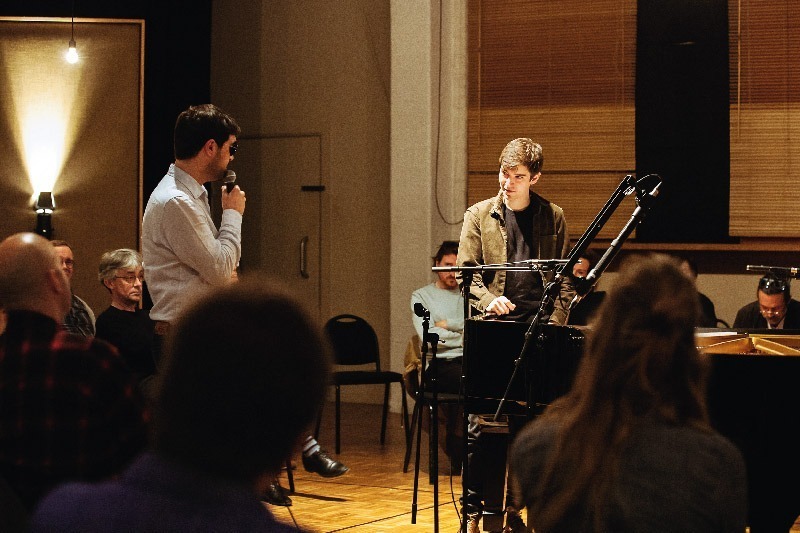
(232, 196)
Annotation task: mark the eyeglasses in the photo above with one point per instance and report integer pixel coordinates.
(772, 312)
(233, 147)
(131, 278)
(68, 262)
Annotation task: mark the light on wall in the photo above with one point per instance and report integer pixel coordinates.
(72, 52)
(44, 207)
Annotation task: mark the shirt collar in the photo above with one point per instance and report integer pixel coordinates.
(187, 181)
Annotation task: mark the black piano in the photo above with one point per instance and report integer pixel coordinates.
(753, 398)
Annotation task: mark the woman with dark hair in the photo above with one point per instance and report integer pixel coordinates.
(629, 447)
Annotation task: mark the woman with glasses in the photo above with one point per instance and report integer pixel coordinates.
(774, 307)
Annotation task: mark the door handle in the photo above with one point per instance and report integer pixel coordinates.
(304, 257)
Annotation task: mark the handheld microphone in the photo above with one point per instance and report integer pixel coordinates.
(420, 311)
(786, 272)
(229, 179)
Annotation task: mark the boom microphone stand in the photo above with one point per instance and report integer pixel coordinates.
(644, 199)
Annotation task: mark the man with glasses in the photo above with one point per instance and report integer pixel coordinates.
(773, 309)
(80, 319)
(184, 251)
(124, 324)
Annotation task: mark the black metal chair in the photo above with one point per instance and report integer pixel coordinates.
(355, 343)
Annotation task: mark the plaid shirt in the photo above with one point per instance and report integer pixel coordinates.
(69, 408)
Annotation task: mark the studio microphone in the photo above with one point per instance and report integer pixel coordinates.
(786, 272)
(229, 179)
(420, 311)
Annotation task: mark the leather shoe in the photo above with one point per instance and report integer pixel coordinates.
(276, 495)
(321, 464)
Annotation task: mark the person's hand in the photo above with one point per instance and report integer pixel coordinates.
(234, 199)
(500, 306)
(441, 324)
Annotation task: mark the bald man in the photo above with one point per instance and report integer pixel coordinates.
(68, 405)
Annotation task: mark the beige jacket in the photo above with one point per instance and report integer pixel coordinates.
(484, 240)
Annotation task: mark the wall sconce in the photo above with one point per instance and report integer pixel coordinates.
(44, 207)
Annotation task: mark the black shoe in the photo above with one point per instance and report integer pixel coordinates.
(276, 495)
(321, 464)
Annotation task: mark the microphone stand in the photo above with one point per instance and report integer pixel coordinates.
(643, 200)
(433, 338)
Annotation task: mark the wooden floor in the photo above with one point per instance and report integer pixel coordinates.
(375, 495)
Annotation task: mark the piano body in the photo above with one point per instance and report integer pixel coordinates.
(753, 396)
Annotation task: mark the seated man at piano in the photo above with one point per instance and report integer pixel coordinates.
(443, 300)
(774, 307)
(515, 225)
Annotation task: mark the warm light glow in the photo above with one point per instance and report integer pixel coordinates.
(41, 96)
(72, 53)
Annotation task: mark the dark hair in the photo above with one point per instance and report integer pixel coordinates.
(772, 284)
(591, 256)
(244, 375)
(446, 248)
(195, 126)
(522, 151)
(640, 362)
(56, 243)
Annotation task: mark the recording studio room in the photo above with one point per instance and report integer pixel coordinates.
(368, 129)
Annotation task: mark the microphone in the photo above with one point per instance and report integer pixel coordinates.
(229, 179)
(420, 311)
(786, 272)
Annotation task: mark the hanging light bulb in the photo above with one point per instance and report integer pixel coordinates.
(72, 52)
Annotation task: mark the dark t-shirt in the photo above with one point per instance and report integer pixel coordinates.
(523, 288)
(132, 334)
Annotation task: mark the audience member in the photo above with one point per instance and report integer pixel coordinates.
(708, 315)
(68, 405)
(80, 319)
(774, 307)
(218, 438)
(586, 308)
(629, 447)
(124, 324)
(184, 252)
(446, 305)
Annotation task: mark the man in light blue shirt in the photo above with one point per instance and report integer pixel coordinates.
(184, 253)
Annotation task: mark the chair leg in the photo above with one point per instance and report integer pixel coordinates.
(410, 432)
(338, 419)
(319, 421)
(405, 412)
(290, 474)
(385, 412)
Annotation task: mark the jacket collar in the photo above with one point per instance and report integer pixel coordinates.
(497, 205)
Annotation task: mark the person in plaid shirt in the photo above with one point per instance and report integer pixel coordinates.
(69, 408)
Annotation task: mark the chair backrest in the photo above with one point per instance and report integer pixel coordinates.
(353, 340)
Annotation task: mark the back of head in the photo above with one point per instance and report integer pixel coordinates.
(25, 261)
(641, 357)
(522, 151)
(198, 124)
(244, 375)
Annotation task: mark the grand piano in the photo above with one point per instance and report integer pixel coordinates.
(753, 396)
